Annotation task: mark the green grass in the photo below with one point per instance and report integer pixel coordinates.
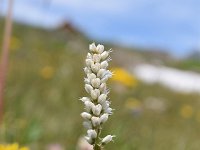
(41, 111)
(188, 64)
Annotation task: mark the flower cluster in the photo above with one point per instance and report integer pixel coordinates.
(12, 147)
(97, 105)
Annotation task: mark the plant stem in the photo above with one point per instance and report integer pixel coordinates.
(96, 146)
(5, 54)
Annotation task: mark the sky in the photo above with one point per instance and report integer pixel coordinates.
(170, 25)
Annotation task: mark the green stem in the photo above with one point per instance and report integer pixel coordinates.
(96, 145)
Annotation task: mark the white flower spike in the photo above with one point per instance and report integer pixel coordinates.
(97, 105)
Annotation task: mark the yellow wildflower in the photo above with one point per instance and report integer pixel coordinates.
(124, 77)
(24, 148)
(186, 111)
(47, 72)
(14, 146)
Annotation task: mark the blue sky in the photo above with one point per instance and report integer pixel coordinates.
(171, 25)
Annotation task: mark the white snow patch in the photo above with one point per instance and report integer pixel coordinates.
(177, 80)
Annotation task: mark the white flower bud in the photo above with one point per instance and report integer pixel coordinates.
(87, 81)
(100, 48)
(95, 93)
(104, 55)
(91, 76)
(105, 105)
(87, 124)
(87, 70)
(89, 140)
(95, 121)
(101, 73)
(104, 64)
(107, 139)
(95, 82)
(89, 62)
(88, 88)
(104, 79)
(88, 105)
(97, 109)
(96, 58)
(92, 47)
(89, 56)
(102, 98)
(107, 75)
(84, 99)
(102, 87)
(104, 118)
(86, 115)
(95, 67)
(92, 133)
(108, 111)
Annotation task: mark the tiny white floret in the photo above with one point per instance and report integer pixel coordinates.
(87, 70)
(88, 105)
(95, 121)
(96, 58)
(89, 140)
(86, 115)
(104, 118)
(95, 93)
(92, 47)
(92, 133)
(104, 64)
(109, 110)
(100, 48)
(95, 67)
(102, 87)
(107, 139)
(102, 98)
(89, 56)
(91, 76)
(104, 55)
(95, 82)
(84, 99)
(88, 88)
(97, 109)
(87, 125)
(101, 72)
(89, 62)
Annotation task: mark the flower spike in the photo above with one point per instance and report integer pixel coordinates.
(97, 104)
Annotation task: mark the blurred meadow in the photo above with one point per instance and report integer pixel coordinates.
(45, 81)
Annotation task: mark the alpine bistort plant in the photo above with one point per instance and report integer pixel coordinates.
(97, 105)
